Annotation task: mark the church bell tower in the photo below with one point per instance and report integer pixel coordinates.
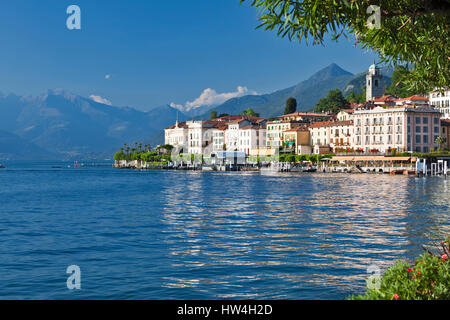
(374, 83)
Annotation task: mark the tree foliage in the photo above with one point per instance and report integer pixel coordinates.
(398, 87)
(354, 97)
(250, 112)
(412, 31)
(291, 106)
(332, 103)
(213, 115)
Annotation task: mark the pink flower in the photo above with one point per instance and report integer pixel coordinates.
(395, 296)
(409, 270)
(444, 257)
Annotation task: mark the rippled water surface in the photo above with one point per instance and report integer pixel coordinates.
(193, 235)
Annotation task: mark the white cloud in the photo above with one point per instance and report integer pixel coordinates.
(100, 100)
(210, 97)
(107, 76)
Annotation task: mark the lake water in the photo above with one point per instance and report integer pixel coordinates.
(194, 235)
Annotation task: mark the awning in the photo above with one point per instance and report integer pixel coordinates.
(372, 158)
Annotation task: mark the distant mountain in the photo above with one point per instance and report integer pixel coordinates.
(14, 147)
(71, 126)
(307, 93)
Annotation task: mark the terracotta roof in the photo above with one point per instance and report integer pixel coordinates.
(348, 110)
(320, 124)
(418, 98)
(180, 125)
(331, 123)
(385, 98)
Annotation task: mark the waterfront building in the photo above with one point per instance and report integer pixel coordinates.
(199, 136)
(275, 129)
(218, 139)
(176, 135)
(320, 137)
(341, 135)
(400, 128)
(441, 100)
(251, 137)
(233, 132)
(332, 136)
(297, 140)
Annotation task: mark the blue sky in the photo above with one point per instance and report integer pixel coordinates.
(156, 52)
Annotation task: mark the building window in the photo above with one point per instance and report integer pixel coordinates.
(425, 139)
(418, 120)
(418, 139)
(425, 120)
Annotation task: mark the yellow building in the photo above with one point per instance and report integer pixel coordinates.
(297, 140)
(275, 129)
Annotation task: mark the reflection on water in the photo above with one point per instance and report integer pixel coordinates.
(193, 235)
(303, 236)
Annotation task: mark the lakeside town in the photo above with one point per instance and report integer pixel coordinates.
(383, 134)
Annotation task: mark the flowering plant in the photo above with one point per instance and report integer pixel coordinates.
(427, 279)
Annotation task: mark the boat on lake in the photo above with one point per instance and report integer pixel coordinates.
(2, 166)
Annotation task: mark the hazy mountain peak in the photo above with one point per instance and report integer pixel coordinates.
(331, 71)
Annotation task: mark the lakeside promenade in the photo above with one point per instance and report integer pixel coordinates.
(353, 163)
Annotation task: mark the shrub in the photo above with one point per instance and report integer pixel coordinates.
(427, 279)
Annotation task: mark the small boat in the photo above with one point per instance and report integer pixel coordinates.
(2, 166)
(56, 167)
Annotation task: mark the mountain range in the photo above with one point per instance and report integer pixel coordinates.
(62, 125)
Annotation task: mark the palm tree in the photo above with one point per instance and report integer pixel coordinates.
(440, 141)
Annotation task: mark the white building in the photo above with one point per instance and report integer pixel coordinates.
(335, 136)
(176, 135)
(319, 133)
(218, 134)
(232, 133)
(251, 138)
(441, 101)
